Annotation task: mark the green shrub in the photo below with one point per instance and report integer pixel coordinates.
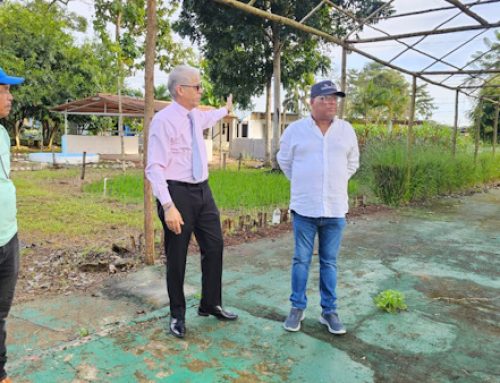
(391, 301)
(433, 171)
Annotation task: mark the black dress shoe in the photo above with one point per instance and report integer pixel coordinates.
(218, 312)
(177, 327)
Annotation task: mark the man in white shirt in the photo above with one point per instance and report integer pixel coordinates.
(318, 154)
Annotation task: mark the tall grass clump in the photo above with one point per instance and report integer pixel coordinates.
(433, 171)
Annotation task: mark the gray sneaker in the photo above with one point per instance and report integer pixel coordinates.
(292, 322)
(333, 323)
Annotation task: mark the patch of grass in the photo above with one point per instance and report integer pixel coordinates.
(50, 203)
(392, 301)
(232, 189)
(434, 171)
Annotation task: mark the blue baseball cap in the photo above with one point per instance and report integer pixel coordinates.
(9, 80)
(325, 88)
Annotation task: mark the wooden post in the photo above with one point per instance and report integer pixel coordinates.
(148, 115)
(240, 157)
(455, 127)
(224, 158)
(221, 126)
(495, 130)
(343, 81)
(410, 133)
(83, 165)
(477, 130)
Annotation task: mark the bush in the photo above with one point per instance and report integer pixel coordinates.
(391, 301)
(433, 171)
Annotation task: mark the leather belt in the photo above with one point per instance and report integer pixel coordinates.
(186, 184)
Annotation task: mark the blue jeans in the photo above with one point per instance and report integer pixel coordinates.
(329, 232)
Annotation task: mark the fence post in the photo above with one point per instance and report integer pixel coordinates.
(83, 166)
(410, 135)
(478, 129)
(495, 130)
(455, 127)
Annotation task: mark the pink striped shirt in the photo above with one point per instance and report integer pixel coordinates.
(169, 146)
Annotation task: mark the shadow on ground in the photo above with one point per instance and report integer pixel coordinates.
(444, 257)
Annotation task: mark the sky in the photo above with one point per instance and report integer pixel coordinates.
(437, 45)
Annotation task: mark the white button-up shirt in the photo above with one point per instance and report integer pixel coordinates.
(319, 166)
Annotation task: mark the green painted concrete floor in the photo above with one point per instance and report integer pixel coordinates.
(444, 257)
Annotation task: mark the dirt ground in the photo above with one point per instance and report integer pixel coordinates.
(54, 267)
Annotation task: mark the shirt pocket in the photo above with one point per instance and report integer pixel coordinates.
(179, 145)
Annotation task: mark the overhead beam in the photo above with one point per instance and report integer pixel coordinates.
(478, 86)
(457, 72)
(294, 24)
(424, 11)
(315, 9)
(370, 16)
(324, 35)
(468, 12)
(422, 33)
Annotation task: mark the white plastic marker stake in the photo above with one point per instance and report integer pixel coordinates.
(276, 216)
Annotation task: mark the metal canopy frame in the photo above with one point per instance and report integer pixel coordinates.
(352, 44)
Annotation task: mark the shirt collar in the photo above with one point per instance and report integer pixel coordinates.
(180, 109)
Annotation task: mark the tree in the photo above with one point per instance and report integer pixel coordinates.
(424, 103)
(486, 110)
(245, 52)
(129, 20)
(161, 93)
(37, 44)
(379, 93)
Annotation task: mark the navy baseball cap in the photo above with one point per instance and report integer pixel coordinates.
(9, 80)
(325, 88)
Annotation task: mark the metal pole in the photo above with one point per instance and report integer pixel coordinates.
(455, 126)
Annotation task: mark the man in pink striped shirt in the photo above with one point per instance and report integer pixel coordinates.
(178, 171)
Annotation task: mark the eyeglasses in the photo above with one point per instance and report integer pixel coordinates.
(197, 87)
(329, 98)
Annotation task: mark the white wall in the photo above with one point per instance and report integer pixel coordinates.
(110, 145)
(101, 144)
(248, 147)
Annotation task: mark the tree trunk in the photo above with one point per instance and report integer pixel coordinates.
(55, 128)
(148, 115)
(268, 127)
(17, 133)
(119, 63)
(277, 98)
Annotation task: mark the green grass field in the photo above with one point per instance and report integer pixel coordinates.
(232, 189)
